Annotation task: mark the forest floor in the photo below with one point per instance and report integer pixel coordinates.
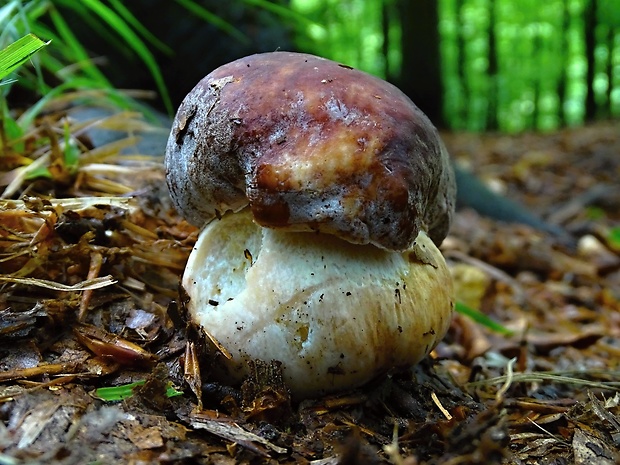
(88, 300)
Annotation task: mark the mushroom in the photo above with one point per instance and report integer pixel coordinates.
(323, 193)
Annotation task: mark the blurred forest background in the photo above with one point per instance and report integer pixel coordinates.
(477, 65)
(481, 64)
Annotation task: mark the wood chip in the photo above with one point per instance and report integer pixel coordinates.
(231, 431)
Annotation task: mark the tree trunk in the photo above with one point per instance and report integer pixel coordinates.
(463, 113)
(536, 85)
(610, 71)
(420, 76)
(564, 58)
(385, 47)
(492, 107)
(589, 23)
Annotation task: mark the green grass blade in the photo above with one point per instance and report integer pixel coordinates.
(130, 19)
(213, 19)
(122, 28)
(10, 129)
(6, 12)
(71, 150)
(79, 53)
(614, 237)
(112, 95)
(92, 22)
(13, 56)
(116, 393)
(482, 319)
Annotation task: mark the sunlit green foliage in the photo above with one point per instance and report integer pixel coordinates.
(350, 31)
(537, 78)
(540, 53)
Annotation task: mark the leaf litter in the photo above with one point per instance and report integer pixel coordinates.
(91, 252)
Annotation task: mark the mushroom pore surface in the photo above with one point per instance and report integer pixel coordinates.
(335, 314)
(310, 145)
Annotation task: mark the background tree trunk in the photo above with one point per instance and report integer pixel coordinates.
(563, 60)
(589, 24)
(492, 70)
(420, 76)
(610, 72)
(463, 113)
(385, 28)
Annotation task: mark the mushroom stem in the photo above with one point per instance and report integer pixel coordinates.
(335, 314)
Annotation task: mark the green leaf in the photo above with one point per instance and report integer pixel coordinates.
(116, 393)
(614, 237)
(13, 56)
(40, 172)
(10, 130)
(482, 319)
(72, 151)
(595, 213)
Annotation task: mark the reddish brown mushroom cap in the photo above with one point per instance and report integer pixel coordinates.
(310, 144)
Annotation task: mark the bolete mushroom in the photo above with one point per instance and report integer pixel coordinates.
(323, 193)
